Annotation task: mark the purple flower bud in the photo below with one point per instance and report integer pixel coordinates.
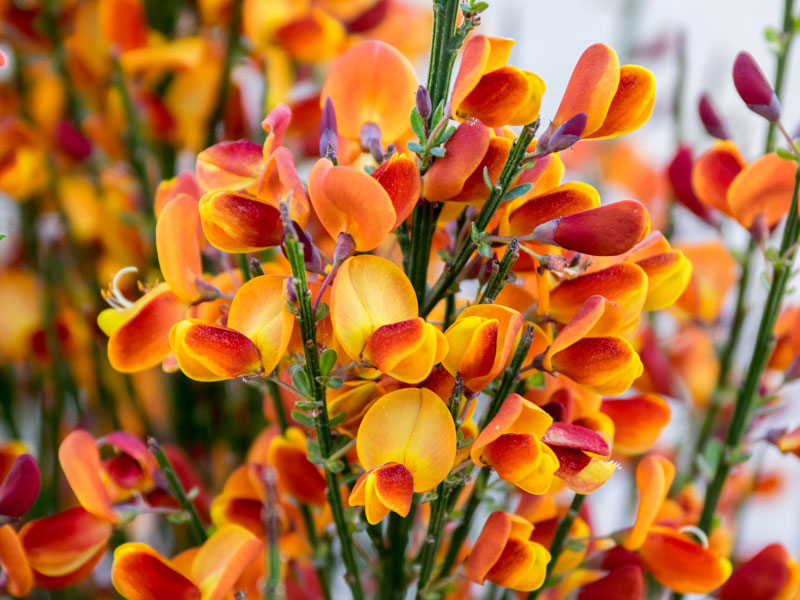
(345, 247)
(311, 256)
(754, 88)
(711, 120)
(567, 133)
(544, 139)
(370, 132)
(291, 293)
(424, 107)
(328, 132)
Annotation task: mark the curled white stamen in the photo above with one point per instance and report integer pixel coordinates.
(697, 532)
(114, 295)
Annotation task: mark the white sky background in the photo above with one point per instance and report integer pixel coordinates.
(551, 36)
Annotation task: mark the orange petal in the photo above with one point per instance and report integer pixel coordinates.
(222, 559)
(713, 173)
(763, 187)
(64, 543)
(394, 486)
(411, 427)
(399, 176)
(516, 415)
(238, 223)
(296, 474)
(14, 564)
(592, 88)
(141, 573)
(668, 274)
(209, 352)
(369, 292)
(499, 96)
(279, 182)
(464, 152)
(714, 271)
(80, 461)
(474, 188)
(481, 55)
(566, 199)
(769, 574)
(681, 564)
(654, 475)
(623, 283)
(604, 231)
(371, 83)
(232, 165)
(582, 473)
(259, 311)
(638, 421)
(606, 365)
(348, 200)
(632, 104)
(123, 23)
(585, 320)
(406, 350)
(141, 339)
(178, 248)
(488, 547)
(185, 183)
(314, 37)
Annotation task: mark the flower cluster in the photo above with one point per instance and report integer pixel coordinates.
(408, 340)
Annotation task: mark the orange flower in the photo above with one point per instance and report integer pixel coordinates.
(713, 173)
(141, 573)
(64, 548)
(575, 447)
(668, 271)
(511, 444)
(587, 351)
(371, 83)
(315, 37)
(504, 554)
(178, 247)
(367, 207)
(374, 315)
(713, 275)
(80, 461)
(771, 574)
(296, 474)
(488, 89)
(406, 443)
(480, 340)
(239, 223)
(616, 100)
(682, 564)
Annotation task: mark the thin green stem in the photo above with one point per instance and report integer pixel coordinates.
(559, 539)
(308, 330)
(234, 25)
(761, 351)
(454, 267)
(500, 275)
(272, 525)
(780, 66)
(244, 267)
(175, 488)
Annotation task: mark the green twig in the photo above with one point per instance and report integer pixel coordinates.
(175, 488)
(500, 275)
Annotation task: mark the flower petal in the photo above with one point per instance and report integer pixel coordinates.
(80, 461)
(141, 573)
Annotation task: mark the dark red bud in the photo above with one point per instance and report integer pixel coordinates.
(754, 88)
(711, 120)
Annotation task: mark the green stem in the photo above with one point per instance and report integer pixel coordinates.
(500, 276)
(423, 226)
(234, 25)
(244, 267)
(560, 537)
(454, 267)
(308, 330)
(761, 351)
(272, 524)
(780, 66)
(175, 488)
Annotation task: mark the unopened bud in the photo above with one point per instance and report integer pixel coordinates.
(311, 256)
(759, 229)
(328, 132)
(345, 247)
(291, 293)
(567, 133)
(370, 134)
(423, 99)
(544, 140)
(711, 120)
(754, 88)
(489, 268)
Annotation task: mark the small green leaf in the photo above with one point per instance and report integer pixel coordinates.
(485, 250)
(438, 152)
(306, 404)
(475, 235)
(739, 456)
(712, 454)
(2, 235)
(327, 360)
(322, 311)
(418, 125)
(438, 113)
(300, 381)
(446, 135)
(486, 181)
(465, 443)
(193, 493)
(333, 382)
(335, 466)
(771, 35)
(303, 419)
(428, 496)
(415, 147)
(536, 380)
(334, 421)
(517, 191)
(786, 154)
(478, 7)
(178, 518)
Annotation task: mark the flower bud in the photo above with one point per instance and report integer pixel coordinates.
(423, 99)
(711, 119)
(311, 256)
(328, 142)
(345, 248)
(370, 134)
(754, 88)
(567, 134)
(291, 293)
